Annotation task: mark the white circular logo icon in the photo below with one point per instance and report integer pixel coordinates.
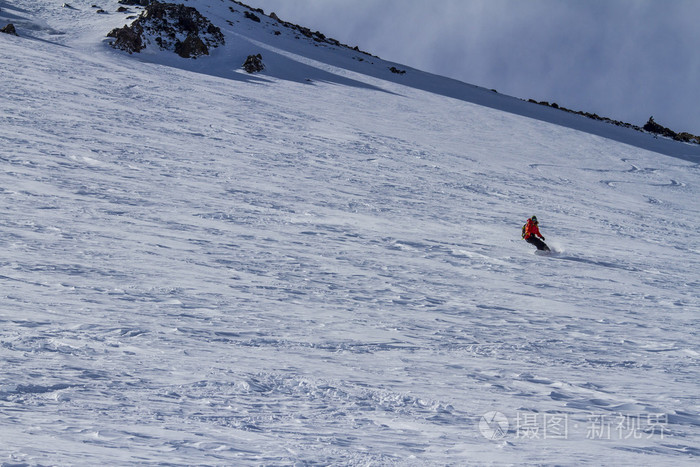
(493, 425)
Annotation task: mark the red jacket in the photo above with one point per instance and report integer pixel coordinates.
(531, 229)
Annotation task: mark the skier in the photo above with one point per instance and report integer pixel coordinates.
(531, 232)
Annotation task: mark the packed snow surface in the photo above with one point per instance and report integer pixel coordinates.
(322, 263)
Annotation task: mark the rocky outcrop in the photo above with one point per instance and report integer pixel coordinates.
(254, 64)
(169, 26)
(252, 16)
(128, 38)
(652, 127)
(192, 46)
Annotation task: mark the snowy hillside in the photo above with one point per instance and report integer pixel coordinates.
(321, 263)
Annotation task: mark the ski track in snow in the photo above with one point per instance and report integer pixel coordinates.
(201, 270)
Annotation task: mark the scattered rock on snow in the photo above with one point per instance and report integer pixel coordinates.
(252, 16)
(174, 27)
(253, 64)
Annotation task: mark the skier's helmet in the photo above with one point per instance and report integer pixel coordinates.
(534, 219)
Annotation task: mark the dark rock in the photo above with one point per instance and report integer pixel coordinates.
(652, 127)
(685, 137)
(128, 38)
(393, 69)
(305, 31)
(170, 26)
(191, 47)
(252, 16)
(254, 64)
(9, 29)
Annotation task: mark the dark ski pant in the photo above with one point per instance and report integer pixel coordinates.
(532, 240)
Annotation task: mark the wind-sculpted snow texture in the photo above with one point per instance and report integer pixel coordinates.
(209, 268)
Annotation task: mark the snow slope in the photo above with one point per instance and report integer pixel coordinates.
(322, 264)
